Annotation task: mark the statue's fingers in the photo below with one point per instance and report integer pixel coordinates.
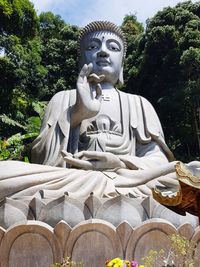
(95, 155)
(85, 71)
(64, 153)
(98, 91)
(82, 73)
(89, 69)
(82, 164)
(94, 78)
(78, 155)
(81, 154)
(101, 78)
(128, 164)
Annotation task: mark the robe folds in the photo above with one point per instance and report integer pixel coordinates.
(142, 149)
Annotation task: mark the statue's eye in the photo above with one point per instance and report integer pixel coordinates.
(93, 45)
(113, 46)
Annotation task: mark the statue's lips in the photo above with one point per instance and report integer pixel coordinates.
(103, 63)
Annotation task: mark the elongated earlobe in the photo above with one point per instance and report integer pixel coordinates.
(121, 77)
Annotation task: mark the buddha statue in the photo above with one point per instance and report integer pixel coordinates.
(95, 138)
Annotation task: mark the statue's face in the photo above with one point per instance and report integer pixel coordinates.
(104, 50)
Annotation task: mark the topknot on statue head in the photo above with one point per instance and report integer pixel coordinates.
(102, 26)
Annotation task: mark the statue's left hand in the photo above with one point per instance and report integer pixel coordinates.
(93, 160)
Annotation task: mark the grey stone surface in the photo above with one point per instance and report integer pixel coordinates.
(94, 138)
(73, 211)
(119, 209)
(176, 219)
(64, 208)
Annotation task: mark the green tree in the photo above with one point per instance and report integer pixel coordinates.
(18, 17)
(22, 79)
(50, 25)
(36, 62)
(167, 74)
(59, 54)
(22, 73)
(133, 31)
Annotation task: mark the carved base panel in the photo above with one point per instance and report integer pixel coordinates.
(36, 244)
(37, 232)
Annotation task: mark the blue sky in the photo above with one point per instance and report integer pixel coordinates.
(81, 12)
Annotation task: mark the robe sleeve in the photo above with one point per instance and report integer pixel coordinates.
(55, 132)
(150, 127)
(151, 149)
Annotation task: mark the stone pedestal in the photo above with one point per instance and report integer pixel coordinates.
(89, 230)
(36, 244)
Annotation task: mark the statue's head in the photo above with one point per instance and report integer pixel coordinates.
(103, 44)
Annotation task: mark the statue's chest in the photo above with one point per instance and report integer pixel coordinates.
(109, 130)
(109, 118)
(110, 106)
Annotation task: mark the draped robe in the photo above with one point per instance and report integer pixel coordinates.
(142, 148)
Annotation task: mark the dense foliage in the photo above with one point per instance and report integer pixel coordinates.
(165, 68)
(38, 57)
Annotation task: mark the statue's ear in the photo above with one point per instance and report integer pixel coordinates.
(121, 77)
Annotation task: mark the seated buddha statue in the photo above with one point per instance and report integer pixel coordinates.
(95, 138)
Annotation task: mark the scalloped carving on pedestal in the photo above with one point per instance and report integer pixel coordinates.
(186, 230)
(196, 239)
(93, 203)
(64, 208)
(62, 231)
(93, 241)
(36, 244)
(35, 206)
(152, 234)
(149, 205)
(2, 232)
(124, 231)
(14, 211)
(121, 208)
(73, 211)
(32, 244)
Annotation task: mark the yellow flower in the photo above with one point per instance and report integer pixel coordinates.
(116, 262)
(127, 263)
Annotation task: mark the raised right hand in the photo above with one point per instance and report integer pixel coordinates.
(88, 101)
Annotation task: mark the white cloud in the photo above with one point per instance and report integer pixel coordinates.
(42, 5)
(51, 5)
(81, 12)
(116, 10)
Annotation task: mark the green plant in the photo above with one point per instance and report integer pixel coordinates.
(16, 147)
(153, 258)
(67, 263)
(181, 254)
(182, 251)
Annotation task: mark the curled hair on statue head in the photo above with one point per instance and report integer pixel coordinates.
(102, 26)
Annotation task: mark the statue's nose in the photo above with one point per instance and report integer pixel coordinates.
(103, 54)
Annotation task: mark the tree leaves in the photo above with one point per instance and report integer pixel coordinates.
(165, 69)
(18, 17)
